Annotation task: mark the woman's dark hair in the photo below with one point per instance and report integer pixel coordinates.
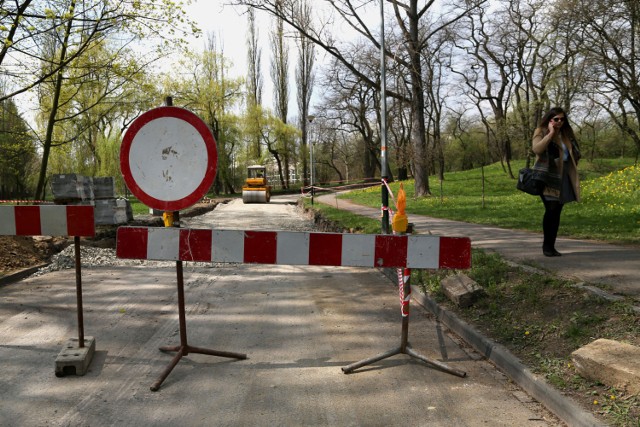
(566, 129)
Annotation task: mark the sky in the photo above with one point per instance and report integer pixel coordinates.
(229, 24)
(230, 27)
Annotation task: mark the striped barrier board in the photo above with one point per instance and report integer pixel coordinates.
(49, 220)
(293, 248)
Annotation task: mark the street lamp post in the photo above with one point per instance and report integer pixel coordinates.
(383, 128)
(311, 165)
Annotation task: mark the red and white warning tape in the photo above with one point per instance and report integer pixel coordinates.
(27, 201)
(404, 275)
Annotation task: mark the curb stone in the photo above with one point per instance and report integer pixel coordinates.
(20, 274)
(563, 407)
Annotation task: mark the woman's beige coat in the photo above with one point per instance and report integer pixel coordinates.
(541, 140)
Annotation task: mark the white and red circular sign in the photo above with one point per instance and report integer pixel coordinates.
(168, 158)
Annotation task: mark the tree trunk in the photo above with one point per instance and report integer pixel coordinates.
(46, 149)
(418, 130)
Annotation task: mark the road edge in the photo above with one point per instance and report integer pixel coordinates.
(18, 275)
(562, 406)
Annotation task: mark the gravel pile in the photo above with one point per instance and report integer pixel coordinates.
(89, 257)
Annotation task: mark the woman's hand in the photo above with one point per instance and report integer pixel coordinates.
(552, 129)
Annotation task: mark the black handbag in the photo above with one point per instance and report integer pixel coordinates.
(528, 183)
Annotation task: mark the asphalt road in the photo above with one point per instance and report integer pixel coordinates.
(298, 326)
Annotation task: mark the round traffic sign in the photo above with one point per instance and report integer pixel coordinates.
(168, 158)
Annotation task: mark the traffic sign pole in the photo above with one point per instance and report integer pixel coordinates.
(168, 160)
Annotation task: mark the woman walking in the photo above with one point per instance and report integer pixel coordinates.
(557, 156)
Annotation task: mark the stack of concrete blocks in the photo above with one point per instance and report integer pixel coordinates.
(100, 192)
(72, 189)
(109, 209)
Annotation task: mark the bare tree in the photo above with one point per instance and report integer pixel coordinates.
(304, 81)
(490, 78)
(254, 79)
(408, 16)
(280, 78)
(610, 32)
(349, 104)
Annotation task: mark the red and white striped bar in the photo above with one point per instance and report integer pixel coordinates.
(50, 220)
(293, 248)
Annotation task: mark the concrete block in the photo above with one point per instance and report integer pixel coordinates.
(71, 187)
(73, 359)
(611, 362)
(111, 211)
(104, 187)
(461, 290)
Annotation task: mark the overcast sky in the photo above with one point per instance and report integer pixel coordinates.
(230, 25)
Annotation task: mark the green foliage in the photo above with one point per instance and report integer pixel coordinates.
(610, 207)
(104, 87)
(345, 220)
(269, 139)
(138, 207)
(17, 153)
(212, 95)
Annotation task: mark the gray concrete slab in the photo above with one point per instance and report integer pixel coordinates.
(298, 326)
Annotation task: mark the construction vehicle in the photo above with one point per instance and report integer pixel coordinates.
(256, 189)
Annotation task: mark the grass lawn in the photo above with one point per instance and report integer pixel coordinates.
(540, 318)
(609, 210)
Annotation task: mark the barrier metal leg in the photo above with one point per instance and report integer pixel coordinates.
(404, 348)
(76, 248)
(184, 348)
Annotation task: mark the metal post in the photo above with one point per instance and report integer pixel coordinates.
(76, 248)
(312, 165)
(184, 348)
(312, 174)
(383, 127)
(404, 347)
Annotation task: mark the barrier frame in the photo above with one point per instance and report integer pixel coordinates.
(184, 244)
(57, 220)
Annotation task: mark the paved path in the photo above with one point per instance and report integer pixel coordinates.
(298, 326)
(615, 266)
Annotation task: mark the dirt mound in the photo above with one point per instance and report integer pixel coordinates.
(17, 252)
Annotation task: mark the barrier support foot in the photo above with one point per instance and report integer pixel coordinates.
(404, 348)
(184, 348)
(408, 351)
(184, 351)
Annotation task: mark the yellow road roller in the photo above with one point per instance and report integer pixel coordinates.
(256, 189)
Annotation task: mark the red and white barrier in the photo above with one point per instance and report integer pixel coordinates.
(293, 248)
(56, 220)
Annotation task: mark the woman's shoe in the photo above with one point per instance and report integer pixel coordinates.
(552, 252)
